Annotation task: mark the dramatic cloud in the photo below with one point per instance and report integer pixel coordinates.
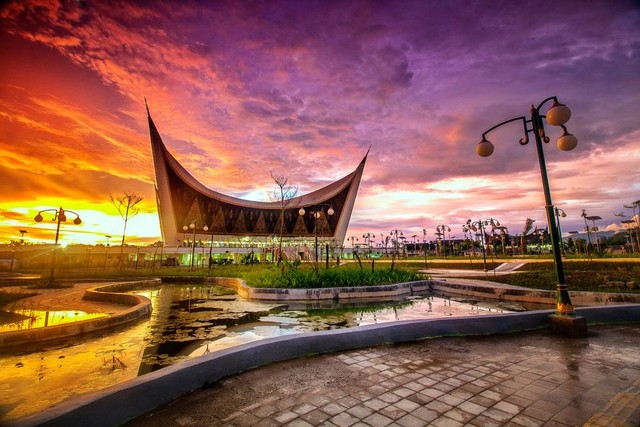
(241, 88)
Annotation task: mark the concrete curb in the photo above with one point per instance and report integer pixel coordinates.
(461, 287)
(319, 294)
(118, 404)
(111, 293)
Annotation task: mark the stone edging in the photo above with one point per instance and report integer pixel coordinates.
(123, 402)
(315, 294)
(140, 307)
(454, 286)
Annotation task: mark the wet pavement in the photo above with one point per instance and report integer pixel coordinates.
(524, 379)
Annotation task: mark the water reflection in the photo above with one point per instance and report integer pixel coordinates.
(30, 319)
(187, 322)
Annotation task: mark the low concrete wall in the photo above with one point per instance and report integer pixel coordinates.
(450, 286)
(140, 307)
(318, 294)
(134, 398)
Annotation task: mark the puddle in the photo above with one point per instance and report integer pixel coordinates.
(188, 321)
(31, 319)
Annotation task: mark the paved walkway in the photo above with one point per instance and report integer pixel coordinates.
(527, 379)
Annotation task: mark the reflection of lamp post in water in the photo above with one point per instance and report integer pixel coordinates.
(59, 216)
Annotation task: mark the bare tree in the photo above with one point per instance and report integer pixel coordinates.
(284, 194)
(127, 207)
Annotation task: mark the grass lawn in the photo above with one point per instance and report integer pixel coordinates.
(579, 275)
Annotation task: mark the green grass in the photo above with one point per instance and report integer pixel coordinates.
(580, 276)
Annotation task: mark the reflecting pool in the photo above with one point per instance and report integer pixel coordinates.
(189, 321)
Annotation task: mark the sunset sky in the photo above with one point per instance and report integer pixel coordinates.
(302, 88)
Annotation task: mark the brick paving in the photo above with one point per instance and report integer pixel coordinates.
(526, 379)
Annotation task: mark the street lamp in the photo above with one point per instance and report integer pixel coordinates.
(560, 213)
(593, 219)
(396, 243)
(479, 226)
(424, 242)
(59, 216)
(316, 214)
(636, 205)
(353, 244)
(192, 227)
(367, 239)
(629, 223)
(557, 115)
(440, 231)
(106, 251)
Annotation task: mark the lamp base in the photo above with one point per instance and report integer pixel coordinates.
(571, 326)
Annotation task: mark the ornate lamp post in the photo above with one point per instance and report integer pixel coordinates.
(557, 115)
(367, 239)
(593, 219)
(440, 231)
(479, 226)
(59, 216)
(353, 239)
(396, 245)
(424, 242)
(316, 214)
(560, 213)
(504, 231)
(635, 205)
(13, 249)
(211, 250)
(192, 227)
(106, 252)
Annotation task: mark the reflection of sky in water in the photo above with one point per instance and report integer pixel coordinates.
(186, 322)
(42, 318)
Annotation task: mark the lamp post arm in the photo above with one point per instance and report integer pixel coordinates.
(555, 99)
(522, 118)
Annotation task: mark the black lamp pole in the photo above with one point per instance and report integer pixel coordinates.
(59, 216)
(557, 115)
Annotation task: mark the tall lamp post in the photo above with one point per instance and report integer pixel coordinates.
(557, 115)
(629, 223)
(479, 226)
(560, 213)
(353, 240)
(367, 239)
(106, 251)
(59, 216)
(13, 249)
(192, 227)
(636, 205)
(317, 212)
(593, 219)
(396, 245)
(440, 231)
(424, 242)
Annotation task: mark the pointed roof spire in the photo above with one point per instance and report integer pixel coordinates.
(147, 106)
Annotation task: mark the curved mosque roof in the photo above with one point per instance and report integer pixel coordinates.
(183, 200)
